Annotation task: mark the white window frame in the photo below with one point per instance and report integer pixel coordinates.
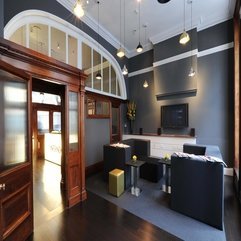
(37, 16)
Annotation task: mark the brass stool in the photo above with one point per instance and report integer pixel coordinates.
(116, 182)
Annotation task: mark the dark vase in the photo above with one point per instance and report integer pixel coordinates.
(131, 127)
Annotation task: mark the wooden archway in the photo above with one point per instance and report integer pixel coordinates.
(46, 68)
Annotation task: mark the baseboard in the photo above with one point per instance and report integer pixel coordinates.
(228, 171)
(93, 169)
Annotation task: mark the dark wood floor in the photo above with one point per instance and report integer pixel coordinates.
(232, 212)
(98, 219)
(93, 220)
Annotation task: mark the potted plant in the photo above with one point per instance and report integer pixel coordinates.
(131, 113)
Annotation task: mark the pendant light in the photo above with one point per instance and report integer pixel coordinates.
(139, 47)
(184, 38)
(124, 70)
(120, 51)
(98, 75)
(145, 84)
(192, 71)
(78, 9)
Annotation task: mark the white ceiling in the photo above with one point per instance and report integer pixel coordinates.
(162, 20)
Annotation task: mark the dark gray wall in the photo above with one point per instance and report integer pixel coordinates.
(97, 134)
(1, 18)
(210, 109)
(141, 61)
(172, 78)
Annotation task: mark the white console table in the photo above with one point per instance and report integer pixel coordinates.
(164, 144)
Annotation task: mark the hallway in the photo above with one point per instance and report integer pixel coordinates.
(46, 191)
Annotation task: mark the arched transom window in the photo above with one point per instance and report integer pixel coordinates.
(52, 36)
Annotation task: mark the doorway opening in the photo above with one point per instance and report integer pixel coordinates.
(47, 152)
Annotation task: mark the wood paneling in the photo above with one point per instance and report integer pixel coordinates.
(237, 119)
(48, 70)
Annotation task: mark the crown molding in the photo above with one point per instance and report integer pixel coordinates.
(215, 49)
(141, 71)
(198, 23)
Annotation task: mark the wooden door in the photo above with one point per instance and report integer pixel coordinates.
(16, 195)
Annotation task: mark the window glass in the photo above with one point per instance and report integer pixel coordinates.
(13, 123)
(118, 88)
(19, 36)
(43, 121)
(58, 45)
(57, 121)
(113, 81)
(86, 63)
(73, 121)
(97, 69)
(72, 42)
(106, 75)
(92, 61)
(98, 108)
(45, 98)
(38, 38)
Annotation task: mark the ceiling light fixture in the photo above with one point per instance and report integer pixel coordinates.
(120, 51)
(98, 75)
(124, 70)
(145, 84)
(139, 47)
(192, 71)
(184, 38)
(78, 9)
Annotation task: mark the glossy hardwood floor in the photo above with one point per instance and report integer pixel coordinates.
(98, 219)
(93, 220)
(232, 212)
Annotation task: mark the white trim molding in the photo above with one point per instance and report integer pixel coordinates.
(141, 71)
(183, 56)
(41, 17)
(175, 58)
(215, 49)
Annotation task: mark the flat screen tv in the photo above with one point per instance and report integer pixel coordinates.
(174, 116)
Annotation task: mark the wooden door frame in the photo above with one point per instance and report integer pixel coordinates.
(237, 99)
(46, 68)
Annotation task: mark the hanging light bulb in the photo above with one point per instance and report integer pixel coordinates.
(139, 47)
(191, 72)
(184, 38)
(98, 76)
(120, 52)
(145, 84)
(124, 70)
(78, 9)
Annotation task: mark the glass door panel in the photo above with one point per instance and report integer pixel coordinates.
(43, 121)
(13, 123)
(73, 122)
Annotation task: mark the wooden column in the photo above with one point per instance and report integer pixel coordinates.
(237, 119)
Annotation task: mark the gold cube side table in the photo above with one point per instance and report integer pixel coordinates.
(116, 182)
